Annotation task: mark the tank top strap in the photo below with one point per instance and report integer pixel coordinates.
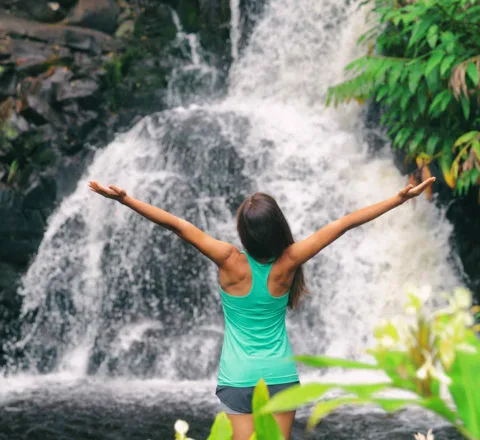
(260, 271)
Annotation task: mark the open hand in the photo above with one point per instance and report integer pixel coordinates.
(410, 191)
(110, 192)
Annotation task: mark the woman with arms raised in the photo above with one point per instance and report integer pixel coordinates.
(256, 286)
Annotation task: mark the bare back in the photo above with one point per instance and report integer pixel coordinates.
(236, 276)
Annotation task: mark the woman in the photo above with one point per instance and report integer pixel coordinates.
(256, 287)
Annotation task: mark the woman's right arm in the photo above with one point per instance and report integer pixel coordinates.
(301, 251)
(217, 251)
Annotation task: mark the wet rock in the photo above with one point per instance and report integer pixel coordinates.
(41, 193)
(21, 230)
(31, 57)
(157, 22)
(81, 88)
(15, 126)
(126, 29)
(38, 110)
(60, 75)
(95, 14)
(8, 82)
(70, 36)
(3, 170)
(5, 46)
(46, 11)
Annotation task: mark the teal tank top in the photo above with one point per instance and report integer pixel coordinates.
(255, 342)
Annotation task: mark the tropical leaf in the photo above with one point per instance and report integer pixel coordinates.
(324, 408)
(299, 395)
(266, 427)
(472, 73)
(325, 362)
(221, 429)
(465, 389)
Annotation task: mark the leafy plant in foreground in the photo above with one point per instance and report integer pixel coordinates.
(422, 355)
(423, 70)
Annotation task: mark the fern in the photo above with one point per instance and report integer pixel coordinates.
(424, 74)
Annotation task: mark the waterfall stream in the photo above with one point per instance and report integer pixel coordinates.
(111, 296)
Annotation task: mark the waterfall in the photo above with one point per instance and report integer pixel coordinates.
(235, 27)
(110, 294)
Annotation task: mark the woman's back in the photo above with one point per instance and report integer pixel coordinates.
(256, 342)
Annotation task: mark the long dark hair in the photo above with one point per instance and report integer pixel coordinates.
(265, 234)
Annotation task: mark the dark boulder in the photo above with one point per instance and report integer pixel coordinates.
(38, 110)
(8, 82)
(82, 88)
(31, 57)
(95, 14)
(70, 36)
(5, 45)
(46, 11)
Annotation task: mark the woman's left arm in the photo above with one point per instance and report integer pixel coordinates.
(216, 250)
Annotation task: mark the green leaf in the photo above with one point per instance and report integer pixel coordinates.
(324, 408)
(447, 37)
(417, 138)
(420, 29)
(405, 99)
(434, 404)
(382, 91)
(299, 395)
(465, 389)
(266, 427)
(12, 171)
(325, 362)
(434, 61)
(394, 74)
(432, 36)
(431, 145)
(415, 76)
(440, 102)
(221, 429)
(398, 366)
(446, 64)
(295, 396)
(465, 102)
(467, 138)
(422, 98)
(472, 73)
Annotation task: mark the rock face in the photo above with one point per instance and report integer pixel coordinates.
(95, 14)
(67, 83)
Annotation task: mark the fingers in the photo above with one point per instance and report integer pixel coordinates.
(420, 188)
(405, 190)
(112, 191)
(117, 189)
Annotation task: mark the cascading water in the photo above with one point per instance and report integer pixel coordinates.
(110, 295)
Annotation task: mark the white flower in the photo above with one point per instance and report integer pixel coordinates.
(422, 437)
(387, 342)
(181, 427)
(417, 298)
(54, 6)
(428, 369)
(463, 298)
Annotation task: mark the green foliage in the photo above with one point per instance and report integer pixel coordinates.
(266, 427)
(423, 69)
(221, 429)
(12, 171)
(418, 353)
(116, 68)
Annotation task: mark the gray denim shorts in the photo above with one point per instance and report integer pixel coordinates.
(238, 400)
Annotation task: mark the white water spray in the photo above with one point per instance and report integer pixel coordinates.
(104, 278)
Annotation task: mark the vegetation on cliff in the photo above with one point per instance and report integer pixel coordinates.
(422, 69)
